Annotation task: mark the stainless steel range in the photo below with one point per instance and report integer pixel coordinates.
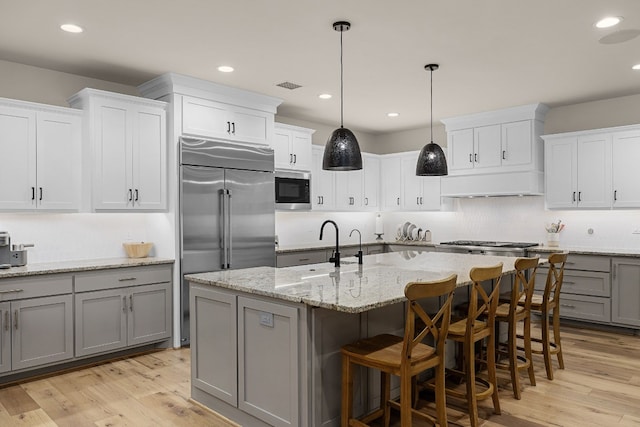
(515, 249)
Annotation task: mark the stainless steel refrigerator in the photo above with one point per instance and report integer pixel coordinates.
(227, 210)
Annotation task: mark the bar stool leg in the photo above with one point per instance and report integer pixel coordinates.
(513, 361)
(556, 336)
(491, 370)
(546, 346)
(440, 395)
(385, 395)
(405, 399)
(527, 349)
(470, 378)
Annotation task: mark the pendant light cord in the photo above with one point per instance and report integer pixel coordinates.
(431, 125)
(341, 85)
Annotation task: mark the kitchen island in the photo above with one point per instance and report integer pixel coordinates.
(265, 342)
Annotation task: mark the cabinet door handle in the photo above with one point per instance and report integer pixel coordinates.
(40, 194)
(233, 128)
(124, 304)
(615, 271)
(398, 201)
(290, 158)
(567, 305)
(128, 279)
(470, 158)
(15, 319)
(475, 157)
(303, 259)
(366, 201)
(615, 195)
(6, 320)
(131, 302)
(579, 196)
(417, 200)
(136, 199)
(295, 158)
(33, 193)
(421, 200)
(573, 198)
(504, 154)
(322, 200)
(228, 127)
(318, 199)
(130, 194)
(351, 200)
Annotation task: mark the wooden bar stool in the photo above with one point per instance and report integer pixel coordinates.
(548, 304)
(405, 357)
(518, 309)
(472, 329)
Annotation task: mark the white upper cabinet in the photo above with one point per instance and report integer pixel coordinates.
(349, 190)
(292, 147)
(371, 181)
(599, 163)
(126, 150)
(625, 149)
(418, 192)
(210, 119)
(487, 147)
(41, 146)
(322, 182)
(391, 182)
(204, 109)
(517, 139)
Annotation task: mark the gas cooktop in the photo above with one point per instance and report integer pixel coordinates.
(488, 244)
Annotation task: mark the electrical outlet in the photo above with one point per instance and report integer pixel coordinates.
(266, 319)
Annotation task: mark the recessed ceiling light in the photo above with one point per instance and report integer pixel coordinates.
(324, 96)
(636, 67)
(393, 114)
(71, 28)
(225, 69)
(609, 21)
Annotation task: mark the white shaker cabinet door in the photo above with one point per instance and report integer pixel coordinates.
(371, 181)
(18, 143)
(149, 179)
(58, 160)
(561, 173)
(594, 171)
(203, 118)
(283, 156)
(322, 183)
(252, 126)
(391, 178)
(516, 143)
(625, 149)
(487, 147)
(5, 337)
(112, 187)
(460, 148)
(412, 196)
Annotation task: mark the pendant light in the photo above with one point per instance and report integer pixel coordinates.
(431, 161)
(342, 152)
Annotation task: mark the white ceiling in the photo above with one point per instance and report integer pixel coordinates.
(492, 53)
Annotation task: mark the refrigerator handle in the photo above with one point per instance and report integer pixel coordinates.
(230, 239)
(223, 223)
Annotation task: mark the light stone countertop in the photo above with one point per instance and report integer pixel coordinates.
(581, 250)
(80, 265)
(380, 281)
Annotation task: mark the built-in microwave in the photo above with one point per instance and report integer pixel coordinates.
(293, 190)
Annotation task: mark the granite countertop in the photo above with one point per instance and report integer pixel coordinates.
(80, 265)
(322, 245)
(581, 250)
(352, 288)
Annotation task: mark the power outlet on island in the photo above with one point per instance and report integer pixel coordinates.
(266, 319)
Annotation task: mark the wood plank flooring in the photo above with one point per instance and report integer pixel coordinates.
(599, 387)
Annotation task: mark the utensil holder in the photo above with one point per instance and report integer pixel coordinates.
(553, 239)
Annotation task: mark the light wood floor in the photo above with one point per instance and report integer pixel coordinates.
(599, 387)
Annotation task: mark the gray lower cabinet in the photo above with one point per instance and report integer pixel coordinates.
(291, 259)
(625, 297)
(113, 319)
(36, 329)
(245, 352)
(122, 307)
(586, 288)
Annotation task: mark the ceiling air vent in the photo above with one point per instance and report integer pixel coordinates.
(288, 85)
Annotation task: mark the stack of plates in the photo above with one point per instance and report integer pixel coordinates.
(410, 232)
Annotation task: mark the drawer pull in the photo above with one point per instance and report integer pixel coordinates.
(6, 320)
(15, 318)
(569, 283)
(11, 291)
(124, 304)
(130, 302)
(303, 259)
(567, 305)
(128, 279)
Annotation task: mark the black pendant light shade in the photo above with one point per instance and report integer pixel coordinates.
(342, 152)
(431, 161)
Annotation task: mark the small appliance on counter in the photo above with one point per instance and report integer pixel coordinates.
(12, 255)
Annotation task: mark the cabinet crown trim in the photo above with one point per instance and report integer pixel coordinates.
(523, 112)
(79, 99)
(16, 103)
(172, 83)
(625, 128)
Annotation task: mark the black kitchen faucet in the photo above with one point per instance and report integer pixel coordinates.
(336, 254)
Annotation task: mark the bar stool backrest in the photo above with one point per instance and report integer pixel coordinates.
(555, 276)
(480, 301)
(522, 285)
